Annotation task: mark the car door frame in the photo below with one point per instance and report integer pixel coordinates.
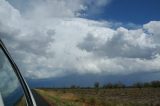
(27, 92)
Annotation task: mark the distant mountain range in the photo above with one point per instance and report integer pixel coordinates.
(90, 79)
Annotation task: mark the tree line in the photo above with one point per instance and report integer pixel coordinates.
(97, 85)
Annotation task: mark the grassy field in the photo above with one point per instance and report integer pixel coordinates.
(102, 97)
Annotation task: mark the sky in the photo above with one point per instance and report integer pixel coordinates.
(56, 38)
(129, 11)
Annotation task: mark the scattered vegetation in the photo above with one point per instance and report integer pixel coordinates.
(97, 85)
(153, 84)
(117, 94)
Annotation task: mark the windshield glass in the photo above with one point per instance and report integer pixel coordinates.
(10, 88)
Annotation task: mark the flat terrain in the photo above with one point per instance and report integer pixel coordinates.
(101, 97)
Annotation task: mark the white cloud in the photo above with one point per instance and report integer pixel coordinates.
(49, 40)
(153, 29)
(54, 8)
(123, 43)
(102, 2)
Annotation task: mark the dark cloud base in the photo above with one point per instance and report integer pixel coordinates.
(90, 79)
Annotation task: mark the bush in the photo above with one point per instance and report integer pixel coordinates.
(117, 85)
(96, 85)
(155, 84)
(109, 85)
(138, 85)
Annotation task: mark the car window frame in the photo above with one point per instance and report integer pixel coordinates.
(28, 95)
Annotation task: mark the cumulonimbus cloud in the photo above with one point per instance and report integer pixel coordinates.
(50, 40)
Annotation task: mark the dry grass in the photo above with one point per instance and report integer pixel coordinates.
(102, 97)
